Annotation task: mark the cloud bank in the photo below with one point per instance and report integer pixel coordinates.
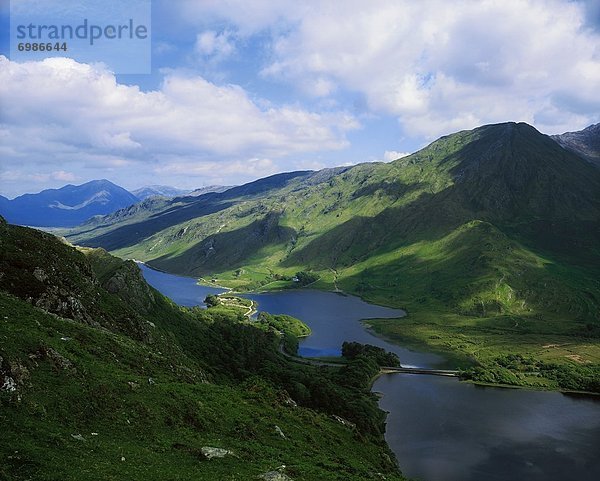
(437, 66)
(60, 112)
(427, 68)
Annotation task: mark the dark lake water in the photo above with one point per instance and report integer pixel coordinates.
(445, 430)
(439, 428)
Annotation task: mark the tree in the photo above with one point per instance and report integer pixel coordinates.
(211, 300)
(304, 278)
(354, 350)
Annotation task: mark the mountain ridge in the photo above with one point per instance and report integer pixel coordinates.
(585, 143)
(158, 190)
(469, 175)
(67, 206)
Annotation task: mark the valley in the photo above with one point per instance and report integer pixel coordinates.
(478, 253)
(487, 238)
(426, 426)
(300, 241)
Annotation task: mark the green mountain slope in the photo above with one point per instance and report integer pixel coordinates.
(481, 225)
(101, 377)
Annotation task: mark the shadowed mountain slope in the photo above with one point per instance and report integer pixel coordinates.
(489, 238)
(585, 143)
(541, 198)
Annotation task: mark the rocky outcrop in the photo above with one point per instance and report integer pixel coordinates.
(343, 421)
(286, 399)
(13, 375)
(128, 283)
(40, 269)
(279, 432)
(51, 275)
(585, 143)
(58, 301)
(278, 475)
(59, 361)
(209, 452)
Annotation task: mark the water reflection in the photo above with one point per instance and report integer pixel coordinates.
(444, 430)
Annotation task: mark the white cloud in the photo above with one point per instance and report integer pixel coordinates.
(254, 167)
(60, 112)
(37, 177)
(64, 176)
(161, 47)
(390, 155)
(437, 66)
(212, 44)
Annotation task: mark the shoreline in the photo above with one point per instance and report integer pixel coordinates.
(422, 347)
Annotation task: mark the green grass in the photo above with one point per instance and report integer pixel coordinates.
(158, 428)
(157, 382)
(285, 324)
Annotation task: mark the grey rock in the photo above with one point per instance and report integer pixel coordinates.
(585, 143)
(210, 452)
(54, 357)
(343, 421)
(39, 274)
(9, 385)
(12, 375)
(275, 476)
(279, 431)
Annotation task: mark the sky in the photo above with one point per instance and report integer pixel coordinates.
(242, 89)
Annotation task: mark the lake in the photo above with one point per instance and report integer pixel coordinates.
(439, 428)
(185, 291)
(334, 318)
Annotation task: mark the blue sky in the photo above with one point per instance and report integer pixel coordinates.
(244, 89)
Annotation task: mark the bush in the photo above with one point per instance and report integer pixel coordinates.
(305, 278)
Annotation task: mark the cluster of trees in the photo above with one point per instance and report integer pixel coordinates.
(354, 350)
(284, 323)
(300, 279)
(241, 351)
(232, 351)
(305, 278)
(514, 369)
(211, 300)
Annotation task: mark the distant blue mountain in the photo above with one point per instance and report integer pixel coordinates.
(68, 206)
(158, 190)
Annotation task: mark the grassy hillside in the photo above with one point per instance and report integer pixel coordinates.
(129, 385)
(479, 227)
